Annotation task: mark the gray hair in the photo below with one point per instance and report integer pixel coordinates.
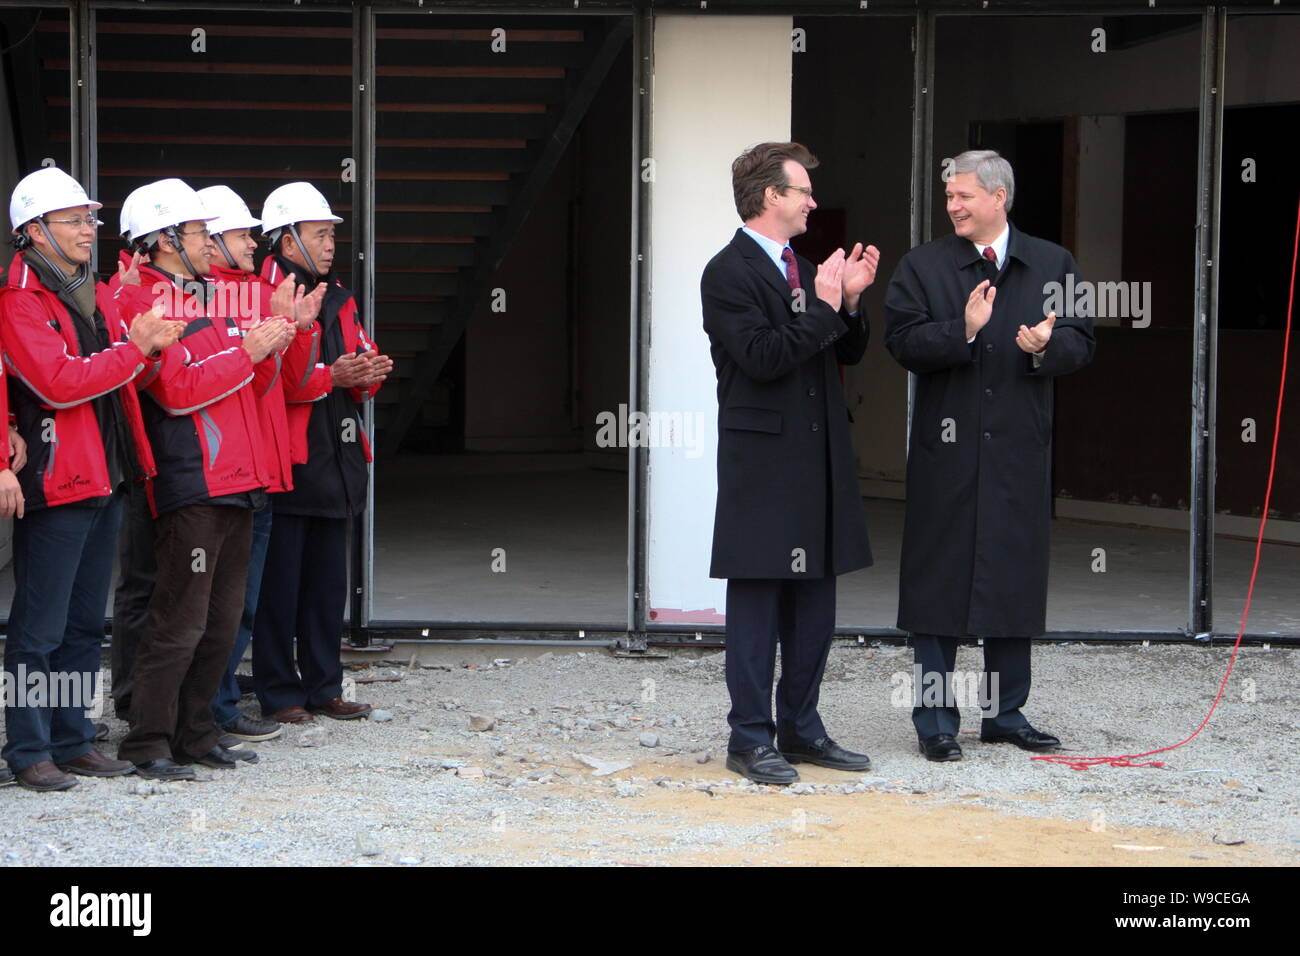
(992, 171)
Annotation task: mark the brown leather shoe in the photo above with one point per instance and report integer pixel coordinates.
(293, 715)
(341, 709)
(44, 776)
(94, 764)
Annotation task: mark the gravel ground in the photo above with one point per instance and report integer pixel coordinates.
(419, 786)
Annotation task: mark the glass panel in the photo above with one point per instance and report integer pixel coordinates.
(500, 506)
(1098, 117)
(234, 105)
(1257, 233)
(34, 132)
(859, 125)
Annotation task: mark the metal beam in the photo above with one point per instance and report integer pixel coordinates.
(83, 130)
(1205, 322)
(923, 31)
(363, 289)
(444, 338)
(638, 462)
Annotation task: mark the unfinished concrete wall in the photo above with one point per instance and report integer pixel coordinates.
(721, 84)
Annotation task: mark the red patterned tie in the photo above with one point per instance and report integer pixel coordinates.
(990, 264)
(791, 270)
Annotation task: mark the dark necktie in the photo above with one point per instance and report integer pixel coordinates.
(791, 270)
(991, 268)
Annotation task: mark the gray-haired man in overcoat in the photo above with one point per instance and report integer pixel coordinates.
(966, 313)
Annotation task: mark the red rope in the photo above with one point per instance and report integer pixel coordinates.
(1126, 760)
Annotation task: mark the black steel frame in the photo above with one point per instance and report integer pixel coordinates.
(637, 632)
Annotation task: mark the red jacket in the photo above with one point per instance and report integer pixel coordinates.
(203, 423)
(4, 417)
(53, 384)
(268, 377)
(306, 378)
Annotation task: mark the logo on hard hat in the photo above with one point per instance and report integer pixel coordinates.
(26, 200)
(282, 209)
(160, 208)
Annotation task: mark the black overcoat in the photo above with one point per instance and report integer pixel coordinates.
(976, 531)
(788, 494)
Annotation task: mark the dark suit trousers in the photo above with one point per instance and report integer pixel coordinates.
(193, 618)
(799, 615)
(138, 570)
(300, 613)
(1005, 657)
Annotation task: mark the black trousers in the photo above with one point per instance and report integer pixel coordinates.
(137, 572)
(799, 615)
(1006, 667)
(304, 593)
(193, 618)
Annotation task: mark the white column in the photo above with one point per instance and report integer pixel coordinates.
(721, 84)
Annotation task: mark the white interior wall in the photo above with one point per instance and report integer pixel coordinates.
(721, 84)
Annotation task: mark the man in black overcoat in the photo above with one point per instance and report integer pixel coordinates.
(789, 513)
(966, 314)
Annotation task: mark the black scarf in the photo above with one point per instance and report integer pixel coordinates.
(92, 337)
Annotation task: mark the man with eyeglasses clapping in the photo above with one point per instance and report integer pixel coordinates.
(73, 364)
(202, 419)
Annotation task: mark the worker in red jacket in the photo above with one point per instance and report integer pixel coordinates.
(238, 283)
(306, 563)
(72, 364)
(202, 420)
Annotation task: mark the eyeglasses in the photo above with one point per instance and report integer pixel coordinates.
(76, 222)
(806, 190)
(196, 232)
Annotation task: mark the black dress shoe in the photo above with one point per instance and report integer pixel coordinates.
(219, 758)
(941, 747)
(164, 768)
(825, 752)
(235, 747)
(762, 765)
(1026, 738)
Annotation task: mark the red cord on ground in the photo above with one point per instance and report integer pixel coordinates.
(1126, 760)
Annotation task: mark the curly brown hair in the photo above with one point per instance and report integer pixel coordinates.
(761, 166)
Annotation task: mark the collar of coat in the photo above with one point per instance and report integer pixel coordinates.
(761, 263)
(965, 255)
(198, 287)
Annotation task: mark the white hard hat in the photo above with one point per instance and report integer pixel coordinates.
(294, 202)
(168, 202)
(44, 191)
(229, 210)
(125, 219)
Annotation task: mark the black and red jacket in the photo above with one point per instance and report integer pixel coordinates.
(54, 385)
(254, 298)
(200, 414)
(332, 481)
